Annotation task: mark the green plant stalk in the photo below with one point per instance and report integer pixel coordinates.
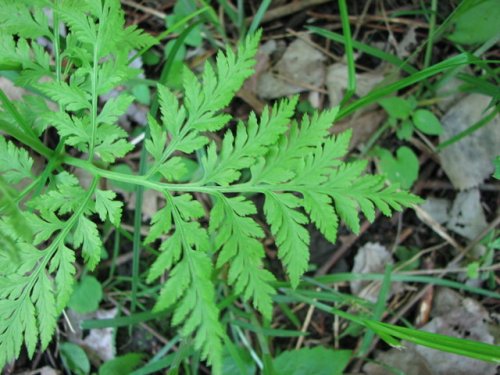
(93, 120)
(241, 17)
(116, 251)
(230, 12)
(56, 40)
(378, 311)
(34, 143)
(374, 138)
(9, 107)
(38, 183)
(233, 352)
(395, 277)
(257, 18)
(213, 18)
(480, 85)
(121, 321)
(430, 39)
(189, 188)
(471, 129)
(351, 69)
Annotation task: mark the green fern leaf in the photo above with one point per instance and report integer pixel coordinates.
(319, 208)
(87, 236)
(15, 163)
(82, 26)
(17, 18)
(73, 129)
(70, 97)
(281, 164)
(114, 108)
(251, 141)
(189, 285)
(296, 166)
(67, 196)
(28, 320)
(110, 149)
(63, 265)
(160, 223)
(44, 226)
(107, 207)
(43, 297)
(292, 239)
(237, 235)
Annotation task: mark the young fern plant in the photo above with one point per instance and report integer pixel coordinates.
(295, 165)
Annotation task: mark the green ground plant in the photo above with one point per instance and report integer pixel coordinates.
(50, 217)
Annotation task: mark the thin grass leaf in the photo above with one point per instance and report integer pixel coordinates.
(375, 52)
(351, 68)
(374, 95)
(258, 16)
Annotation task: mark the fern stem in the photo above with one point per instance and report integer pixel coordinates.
(185, 188)
(28, 140)
(57, 52)
(94, 104)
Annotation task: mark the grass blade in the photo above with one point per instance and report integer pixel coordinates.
(121, 321)
(375, 52)
(257, 18)
(378, 93)
(342, 277)
(378, 311)
(471, 129)
(351, 69)
(468, 348)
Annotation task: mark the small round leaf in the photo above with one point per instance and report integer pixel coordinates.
(86, 296)
(402, 169)
(74, 358)
(427, 122)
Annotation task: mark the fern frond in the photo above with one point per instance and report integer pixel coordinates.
(70, 97)
(189, 285)
(87, 236)
(251, 142)
(238, 236)
(295, 165)
(203, 101)
(17, 18)
(287, 226)
(29, 291)
(107, 207)
(62, 264)
(31, 57)
(301, 140)
(15, 163)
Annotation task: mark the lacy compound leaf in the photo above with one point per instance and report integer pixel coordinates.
(294, 165)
